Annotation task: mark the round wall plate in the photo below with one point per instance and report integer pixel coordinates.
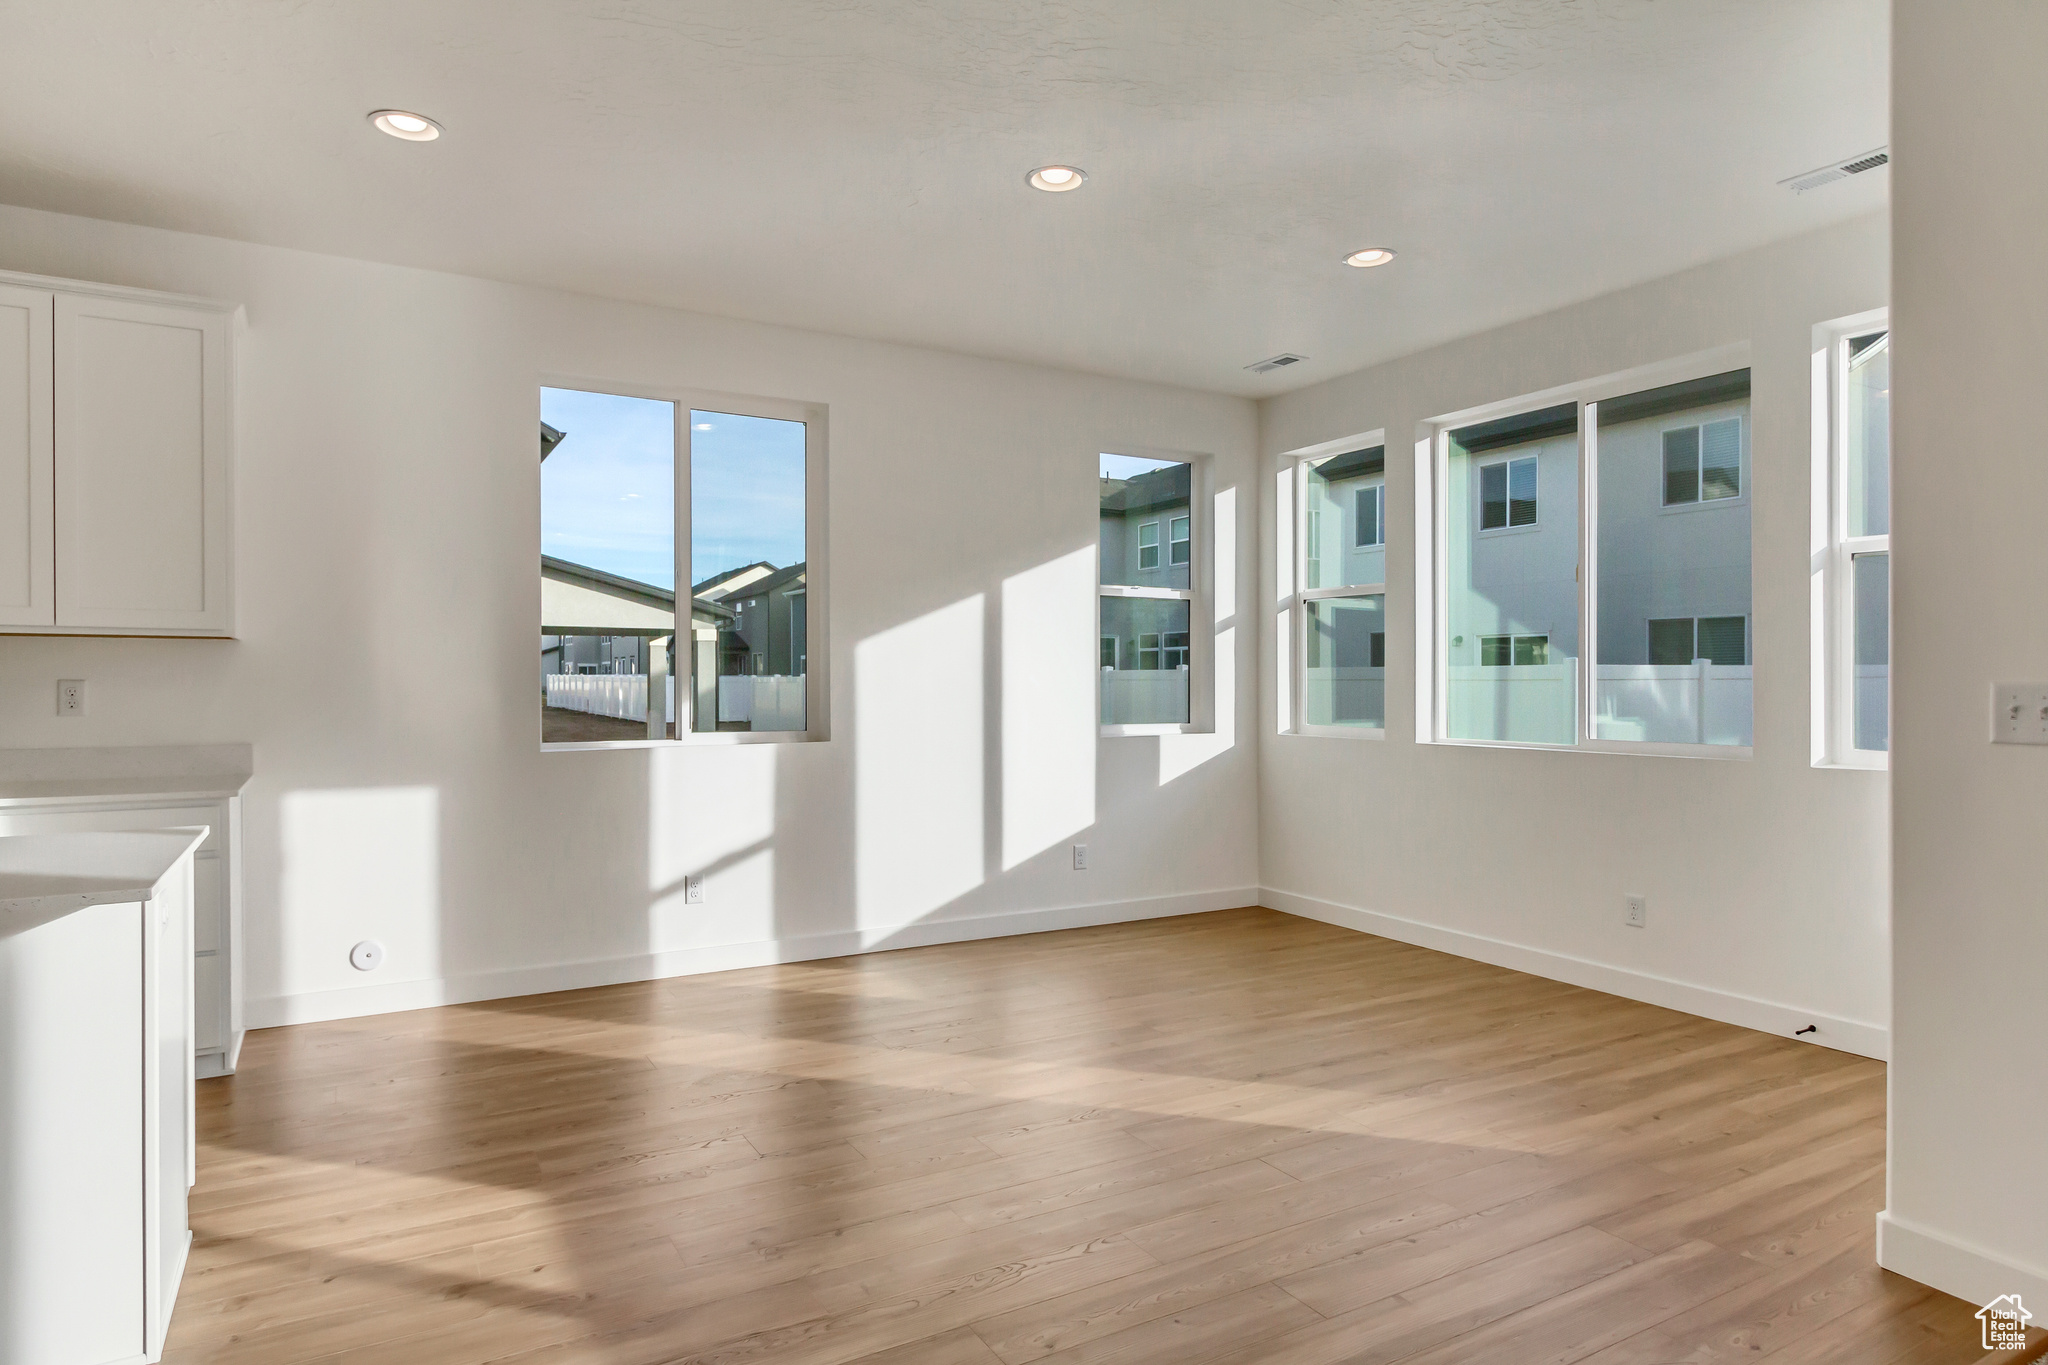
(366, 956)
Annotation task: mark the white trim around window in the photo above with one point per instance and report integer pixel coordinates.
(1432, 622)
(1837, 675)
(1199, 649)
(817, 572)
(1296, 523)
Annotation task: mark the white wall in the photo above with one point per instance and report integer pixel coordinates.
(1766, 878)
(387, 518)
(1968, 1199)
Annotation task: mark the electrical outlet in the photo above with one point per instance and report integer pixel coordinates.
(71, 696)
(2019, 713)
(1080, 857)
(693, 890)
(1638, 915)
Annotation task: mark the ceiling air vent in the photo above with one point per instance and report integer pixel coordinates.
(1275, 362)
(1839, 170)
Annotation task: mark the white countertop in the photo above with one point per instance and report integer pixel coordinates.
(47, 876)
(156, 770)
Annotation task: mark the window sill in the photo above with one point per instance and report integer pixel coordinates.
(1852, 765)
(1636, 748)
(1336, 732)
(710, 741)
(1125, 731)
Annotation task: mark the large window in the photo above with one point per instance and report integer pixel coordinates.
(1618, 520)
(1340, 603)
(1852, 543)
(617, 664)
(1148, 534)
(1672, 590)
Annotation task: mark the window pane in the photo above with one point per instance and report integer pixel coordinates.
(1724, 640)
(1721, 459)
(1139, 499)
(1671, 641)
(748, 652)
(1522, 493)
(1149, 682)
(1681, 465)
(1871, 576)
(1366, 514)
(1673, 585)
(1344, 662)
(1869, 436)
(608, 566)
(1531, 650)
(1525, 584)
(1109, 651)
(1342, 546)
(1493, 497)
(1181, 541)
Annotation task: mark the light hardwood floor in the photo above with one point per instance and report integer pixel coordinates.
(1228, 1137)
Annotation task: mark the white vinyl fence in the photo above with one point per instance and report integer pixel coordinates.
(1696, 703)
(765, 702)
(1144, 696)
(622, 696)
(1529, 703)
(1344, 696)
(1873, 696)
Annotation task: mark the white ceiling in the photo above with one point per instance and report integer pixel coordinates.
(857, 166)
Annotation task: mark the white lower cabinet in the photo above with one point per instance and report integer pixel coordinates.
(96, 1141)
(216, 1012)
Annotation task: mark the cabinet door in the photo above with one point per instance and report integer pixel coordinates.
(143, 401)
(26, 557)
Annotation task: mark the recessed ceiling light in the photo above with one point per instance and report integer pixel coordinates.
(1372, 255)
(1056, 179)
(411, 127)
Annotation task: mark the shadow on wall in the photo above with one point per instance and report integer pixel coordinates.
(975, 744)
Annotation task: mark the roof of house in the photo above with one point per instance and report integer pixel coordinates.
(1168, 487)
(577, 599)
(731, 580)
(1354, 464)
(549, 439)
(762, 586)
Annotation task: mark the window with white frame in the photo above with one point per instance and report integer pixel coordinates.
(1339, 602)
(1368, 516)
(1148, 555)
(1852, 542)
(1571, 607)
(620, 473)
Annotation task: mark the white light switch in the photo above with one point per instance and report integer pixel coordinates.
(2019, 713)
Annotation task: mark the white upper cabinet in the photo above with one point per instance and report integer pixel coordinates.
(27, 597)
(120, 521)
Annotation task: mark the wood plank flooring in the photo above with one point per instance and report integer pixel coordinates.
(1232, 1137)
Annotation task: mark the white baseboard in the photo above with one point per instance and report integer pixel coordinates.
(1847, 1035)
(390, 997)
(1954, 1267)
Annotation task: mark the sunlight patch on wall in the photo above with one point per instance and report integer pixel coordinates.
(1048, 715)
(360, 863)
(918, 769)
(711, 814)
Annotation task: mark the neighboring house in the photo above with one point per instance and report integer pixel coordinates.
(767, 633)
(1674, 538)
(597, 622)
(1147, 540)
(1345, 530)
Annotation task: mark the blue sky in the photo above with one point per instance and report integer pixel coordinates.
(1130, 466)
(607, 493)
